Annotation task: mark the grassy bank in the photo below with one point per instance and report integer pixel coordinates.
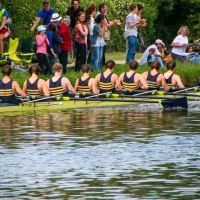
(188, 72)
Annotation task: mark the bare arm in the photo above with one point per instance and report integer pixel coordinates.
(94, 87)
(24, 86)
(144, 84)
(37, 21)
(84, 33)
(76, 85)
(45, 89)
(179, 82)
(3, 23)
(66, 82)
(164, 84)
(117, 83)
(17, 88)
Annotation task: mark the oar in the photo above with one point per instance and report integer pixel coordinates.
(166, 103)
(57, 97)
(184, 90)
(97, 95)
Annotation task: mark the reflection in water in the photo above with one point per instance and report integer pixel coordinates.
(100, 154)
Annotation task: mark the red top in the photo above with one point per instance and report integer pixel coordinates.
(67, 39)
(79, 37)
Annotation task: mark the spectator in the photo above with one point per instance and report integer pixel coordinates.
(66, 44)
(159, 55)
(80, 44)
(73, 13)
(179, 44)
(44, 14)
(103, 9)
(4, 30)
(92, 11)
(131, 32)
(41, 53)
(98, 41)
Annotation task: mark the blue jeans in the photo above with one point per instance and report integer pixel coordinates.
(63, 56)
(132, 47)
(178, 57)
(98, 57)
(158, 58)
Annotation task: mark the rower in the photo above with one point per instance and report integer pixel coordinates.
(108, 81)
(172, 79)
(58, 84)
(35, 86)
(86, 84)
(155, 79)
(8, 87)
(132, 80)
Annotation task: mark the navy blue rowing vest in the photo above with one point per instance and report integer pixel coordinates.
(128, 82)
(169, 80)
(152, 81)
(105, 84)
(56, 88)
(83, 85)
(32, 88)
(7, 94)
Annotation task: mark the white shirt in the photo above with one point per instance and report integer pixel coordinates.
(180, 40)
(146, 53)
(91, 25)
(131, 18)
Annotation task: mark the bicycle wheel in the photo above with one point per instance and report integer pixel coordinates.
(71, 55)
(141, 45)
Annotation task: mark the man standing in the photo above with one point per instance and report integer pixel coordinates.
(4, 30)
(73, 13)
(131, 32)
(45, 14)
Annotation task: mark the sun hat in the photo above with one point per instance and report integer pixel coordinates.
(158, 41)
(41, 28)
(55, 17)
(66, 18)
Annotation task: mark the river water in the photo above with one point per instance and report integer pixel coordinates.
(108, 153)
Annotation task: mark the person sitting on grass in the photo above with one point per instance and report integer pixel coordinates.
(86, 84)
(154, 79)
(160, 47)
(35, 86)
(131, 80)
(172, 79)
(108, 81)
(192, 56)
(58, 84)
(8, 88)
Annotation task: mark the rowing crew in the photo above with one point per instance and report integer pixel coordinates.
(107, 81)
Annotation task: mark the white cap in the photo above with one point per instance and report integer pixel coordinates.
(158, 41)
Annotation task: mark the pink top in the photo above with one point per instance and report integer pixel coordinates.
(42, 44)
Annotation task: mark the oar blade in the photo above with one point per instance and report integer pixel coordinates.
(175, 103)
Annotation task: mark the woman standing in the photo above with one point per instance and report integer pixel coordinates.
(80, 33)
(179, 44)
(98, 42)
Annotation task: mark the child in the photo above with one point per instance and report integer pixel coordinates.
(41, 53)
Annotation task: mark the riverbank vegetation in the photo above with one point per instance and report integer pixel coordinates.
(164, 18)
(188, 72)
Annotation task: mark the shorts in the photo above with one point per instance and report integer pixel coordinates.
(5, 32)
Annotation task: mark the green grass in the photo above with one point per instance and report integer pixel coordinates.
(188, 72)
